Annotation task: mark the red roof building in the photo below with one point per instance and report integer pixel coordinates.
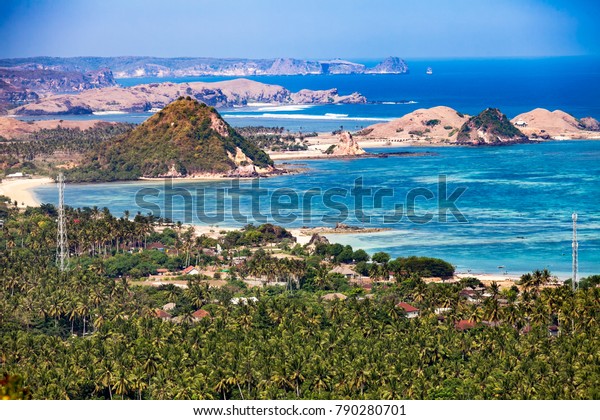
(162, 314)
(190, 271)
(201, 313)
(411, 311)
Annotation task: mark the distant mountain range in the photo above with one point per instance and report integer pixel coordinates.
(128, 67)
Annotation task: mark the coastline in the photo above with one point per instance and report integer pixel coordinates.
(19, 190)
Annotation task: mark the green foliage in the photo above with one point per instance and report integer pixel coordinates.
(84, 335)
(12, 388)
(252, 235)
(381, 257)
(421, 266)
(360, 256)
(491, 121)
(590, 281)
(432, 123)
(37, 151)
(273, 139)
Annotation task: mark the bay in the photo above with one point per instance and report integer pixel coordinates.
(517, 203)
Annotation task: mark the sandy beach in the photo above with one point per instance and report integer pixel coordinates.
(319, 144)
(19, 190)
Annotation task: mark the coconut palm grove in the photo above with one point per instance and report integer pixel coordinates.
(258, 316)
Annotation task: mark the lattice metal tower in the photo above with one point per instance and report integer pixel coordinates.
(575, 256)
(62, 246)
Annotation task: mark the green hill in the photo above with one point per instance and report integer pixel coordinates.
(186, 138)
(490, 127)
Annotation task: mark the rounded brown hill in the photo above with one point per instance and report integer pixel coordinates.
(542, 123)
(439, 123)
(185, 139)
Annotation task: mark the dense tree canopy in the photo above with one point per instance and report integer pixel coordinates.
(84, 334)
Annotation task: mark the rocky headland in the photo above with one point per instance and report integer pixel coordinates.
(141, 98)
(23, 85)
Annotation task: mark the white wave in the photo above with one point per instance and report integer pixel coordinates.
(109, 112)
(399, 103)
(281, 108)
(331, 114)
(259, 104)
(333, 117)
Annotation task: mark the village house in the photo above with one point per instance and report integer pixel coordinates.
(200, 314)
(190, 271)
(346, 272)
(411, 311)
(162, 314)
(334, 296)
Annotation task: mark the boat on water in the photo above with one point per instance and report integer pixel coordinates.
(429, 70)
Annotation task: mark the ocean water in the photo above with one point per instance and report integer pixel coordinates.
(513, 85)
(514, 212)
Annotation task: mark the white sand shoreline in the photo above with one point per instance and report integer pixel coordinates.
(19, 190)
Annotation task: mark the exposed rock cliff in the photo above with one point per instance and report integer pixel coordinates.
(590, 124)
(347, 146)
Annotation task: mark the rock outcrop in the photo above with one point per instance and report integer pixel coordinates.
(347, 146)
(143, 98)
(590, 124)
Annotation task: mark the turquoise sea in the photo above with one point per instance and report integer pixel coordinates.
(517, 203)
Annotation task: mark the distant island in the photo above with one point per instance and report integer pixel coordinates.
(127, 67)
(25, 81)
(153, 96)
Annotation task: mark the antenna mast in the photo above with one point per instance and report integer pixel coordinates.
(62, 246)
(575, 247)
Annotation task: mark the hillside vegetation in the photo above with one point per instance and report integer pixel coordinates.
(490, 127)
(185, 138)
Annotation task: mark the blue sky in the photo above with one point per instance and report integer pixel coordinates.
(302, 29)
